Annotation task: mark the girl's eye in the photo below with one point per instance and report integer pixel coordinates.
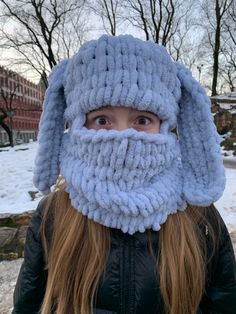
(100, 120)
(143, 120)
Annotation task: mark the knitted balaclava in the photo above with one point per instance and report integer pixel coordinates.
(128, 179)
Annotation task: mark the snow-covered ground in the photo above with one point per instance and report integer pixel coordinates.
(16, 171)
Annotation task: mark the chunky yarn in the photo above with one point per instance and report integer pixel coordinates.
(127, 179)
(109, 188)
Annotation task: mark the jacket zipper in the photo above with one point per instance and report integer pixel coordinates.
(127, 273)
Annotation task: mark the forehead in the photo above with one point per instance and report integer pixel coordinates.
(114, 109)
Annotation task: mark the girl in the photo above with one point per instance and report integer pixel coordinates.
(130, 226)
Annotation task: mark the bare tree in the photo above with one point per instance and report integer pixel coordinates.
(227, 69)
(7, 93)
(158, 19)
(109, 13)
(215, 13)
(12, 99)
(184, 40)
(229, 24)
(229, 76)
(45, 30)
(228, 50)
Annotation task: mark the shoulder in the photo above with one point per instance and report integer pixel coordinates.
(38, 213)
(38, 216)
(221, 268)
(224, 254)
(42, 205)
(216, 222)
(219, 230)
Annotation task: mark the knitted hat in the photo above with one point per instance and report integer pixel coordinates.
(126, 71)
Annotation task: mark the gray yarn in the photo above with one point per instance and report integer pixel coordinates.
(126, 71)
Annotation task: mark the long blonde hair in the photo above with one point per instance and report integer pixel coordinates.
(77, 248)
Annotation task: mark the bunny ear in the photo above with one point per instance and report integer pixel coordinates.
(203, 169)
(51, 128)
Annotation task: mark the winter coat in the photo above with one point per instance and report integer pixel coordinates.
(130, 285)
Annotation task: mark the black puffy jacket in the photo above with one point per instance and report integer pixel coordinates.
(130, 285)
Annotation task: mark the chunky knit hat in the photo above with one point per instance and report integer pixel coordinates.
(127, 71)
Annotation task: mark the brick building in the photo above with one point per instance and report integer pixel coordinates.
(22, 100)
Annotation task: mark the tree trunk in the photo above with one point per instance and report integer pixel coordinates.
(9, 132)
(216, 50)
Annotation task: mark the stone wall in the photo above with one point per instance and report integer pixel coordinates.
(13, 229)
(13, 232)
(224, 111)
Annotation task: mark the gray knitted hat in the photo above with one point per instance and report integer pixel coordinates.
(127, 71)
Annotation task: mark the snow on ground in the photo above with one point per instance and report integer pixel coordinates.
(230, 107)
(227, 203)
(230, 96)
(16, 171)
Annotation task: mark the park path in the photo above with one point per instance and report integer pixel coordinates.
(8, 275)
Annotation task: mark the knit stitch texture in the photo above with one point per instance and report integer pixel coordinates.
(123, 179)
(126, 71)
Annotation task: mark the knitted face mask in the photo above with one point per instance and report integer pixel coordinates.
(123, 179)
(128, 180)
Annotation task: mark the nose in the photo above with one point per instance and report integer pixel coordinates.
(121, 125)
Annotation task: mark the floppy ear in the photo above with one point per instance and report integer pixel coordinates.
(51, 128)
(203, 169)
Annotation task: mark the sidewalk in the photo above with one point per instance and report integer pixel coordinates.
(8, 275)
(230, 162)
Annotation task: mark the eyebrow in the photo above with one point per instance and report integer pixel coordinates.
(99, 109)
(106, 110)
(130, 110)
